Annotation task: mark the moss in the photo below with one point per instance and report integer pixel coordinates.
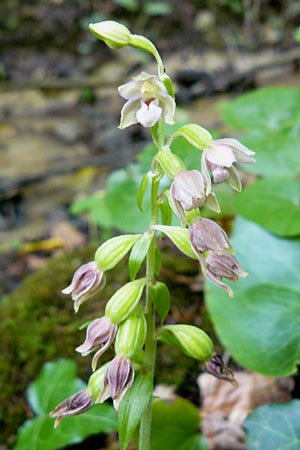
(37, 324)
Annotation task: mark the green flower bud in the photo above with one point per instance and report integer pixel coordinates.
(110, 253)
(131, 334)
(112, 33)
(124, 301)
(179, 236)
(197, 136)
(191, 340)
(170, 163)
(95, 383)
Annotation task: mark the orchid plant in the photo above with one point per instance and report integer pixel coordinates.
(129, 322)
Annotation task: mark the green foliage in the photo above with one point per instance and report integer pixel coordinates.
(176, 425)
(274, 203)
(259, 327)
(132, 407)
(270, 117)
(274, 426)
(151, 7)
(138, 254)
(54, 384)
(161, 298)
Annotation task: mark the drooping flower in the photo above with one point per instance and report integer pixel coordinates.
(72, 406)
(87, 280)
(187, 192)
(147, 102)
(220, 157)
(205, 234)
(223, 266)
(101, 332)
(218, 369)
(118, 379)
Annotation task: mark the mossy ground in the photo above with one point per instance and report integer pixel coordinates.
(37, 324)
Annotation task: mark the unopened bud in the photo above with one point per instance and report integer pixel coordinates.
(112, 33)
(95, 383)
(218, 369)
(191, 340)
(124, 301)
(72, 406)
(170, 163)
(131, 334)
(197, 136)
(110, 253)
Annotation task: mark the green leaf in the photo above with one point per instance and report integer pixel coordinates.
(174, 424)
(132, 407)
(161, 298)
(273, 203)
(274, 426)
(138, 254)
(130, 5)
(180, 237)
(271, 108)
(259, 327)
(142, 191)
(39, 434)
(276, 152)
(157, 8)
(54, 384)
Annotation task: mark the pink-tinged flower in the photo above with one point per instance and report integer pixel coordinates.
(223, 266)
(72, 406)
(87, 280)
(100, 333)
(118, 379)
(187, 192)
(147, 102)
(218, 369)
(205, 234)
(220, 157)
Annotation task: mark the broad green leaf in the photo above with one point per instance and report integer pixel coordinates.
(54, 384)
(259, 327)
(132, 407)
(174, 424)
(39, 434)
(273, 427)
(142, 191)
(138, 254)
(277, 152)
(180, 237)
(196, 442)
(161, 298)
(271, 108)
(273, 203)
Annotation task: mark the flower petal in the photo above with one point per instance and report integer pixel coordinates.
(220, 154)
(130, 90)
(128, 113)
(148, 116)
(241, 152)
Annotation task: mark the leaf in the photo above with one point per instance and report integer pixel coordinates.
(157, 8)
(39, 434)
(174, 424)
(180, 237)
(142, 191)
(132, 407)
(271, 108)
(273, 203)
(54, 384)
(138, 254)
(259, 327)
(274, 426)
(161, 298)
(276, 152)
(166, 213)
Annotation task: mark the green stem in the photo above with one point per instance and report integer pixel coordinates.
(150, 344)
